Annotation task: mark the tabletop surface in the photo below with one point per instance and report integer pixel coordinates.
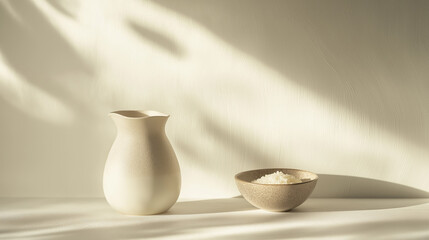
(230, 218)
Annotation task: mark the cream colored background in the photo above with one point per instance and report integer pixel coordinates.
(335, 87)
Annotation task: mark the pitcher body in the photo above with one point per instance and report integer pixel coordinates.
(142, 174)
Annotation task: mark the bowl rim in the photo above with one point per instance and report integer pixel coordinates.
(273, 184)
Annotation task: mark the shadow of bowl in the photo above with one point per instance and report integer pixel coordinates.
(341, 186)
(357, 204)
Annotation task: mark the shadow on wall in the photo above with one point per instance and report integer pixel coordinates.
(41, 57)
(361, 68)
(156, 38)
(35, 49)
(43, 105)
(369, 57)
(65, 9)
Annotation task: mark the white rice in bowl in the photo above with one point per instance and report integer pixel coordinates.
(277, 178)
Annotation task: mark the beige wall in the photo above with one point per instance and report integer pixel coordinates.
(335, 87)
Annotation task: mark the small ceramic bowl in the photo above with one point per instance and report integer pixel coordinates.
(276, 197)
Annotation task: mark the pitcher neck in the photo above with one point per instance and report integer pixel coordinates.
(143, 122)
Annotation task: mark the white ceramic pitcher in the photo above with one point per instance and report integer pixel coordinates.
(142, 174)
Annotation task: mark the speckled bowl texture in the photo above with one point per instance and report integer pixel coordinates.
(275, 197)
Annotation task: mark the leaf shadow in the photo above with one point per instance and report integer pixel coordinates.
(158, 39)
